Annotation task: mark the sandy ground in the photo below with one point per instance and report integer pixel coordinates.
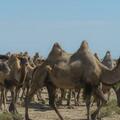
(38, 111)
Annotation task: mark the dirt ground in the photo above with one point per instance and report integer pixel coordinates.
(38, 111)
(78, 113)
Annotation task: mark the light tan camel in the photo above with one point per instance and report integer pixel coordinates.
(16, 78)
(81, 70)
(28, 79)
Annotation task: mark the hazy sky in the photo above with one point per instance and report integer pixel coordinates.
(34, 25)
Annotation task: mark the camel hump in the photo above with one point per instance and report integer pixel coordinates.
(84, 45)
(56, 44)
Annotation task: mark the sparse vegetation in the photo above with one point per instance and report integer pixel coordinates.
(9, 116)
(110, 109)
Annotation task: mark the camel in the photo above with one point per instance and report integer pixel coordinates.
(30, 70)
(16, 77)
(56, 56)
(110, 63)
(81, 70)
(4, 72)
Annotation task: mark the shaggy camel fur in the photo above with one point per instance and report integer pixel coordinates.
(81, 70)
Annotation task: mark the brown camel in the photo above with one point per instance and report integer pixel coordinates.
(81, 70)
(56, 56)
(15, 78)
(110, 63)
(4, 72)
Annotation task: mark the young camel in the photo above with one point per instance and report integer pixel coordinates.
(82, 70)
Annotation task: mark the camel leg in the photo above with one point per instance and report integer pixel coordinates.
(12, 107)
(23, 93)
(69, 97)
(4, 100)
(77, 98)
(109, 93)
(117, 92)
(51, 92)
(1, 98)
(99, 94)
(17, 91)
(39, 97)
(87, 93)
(62, 97)
(27, 101)
(29, 95)
(88, 101)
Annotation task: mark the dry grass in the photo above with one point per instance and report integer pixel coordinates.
(9, 116)
(110, 109)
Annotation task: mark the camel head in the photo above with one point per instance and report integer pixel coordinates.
(24, 61)
(14, 62)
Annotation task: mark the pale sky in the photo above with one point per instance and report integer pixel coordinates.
(34, 25)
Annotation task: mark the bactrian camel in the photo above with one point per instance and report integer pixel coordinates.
(4, 72)
(15, 78)
(81, 70)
